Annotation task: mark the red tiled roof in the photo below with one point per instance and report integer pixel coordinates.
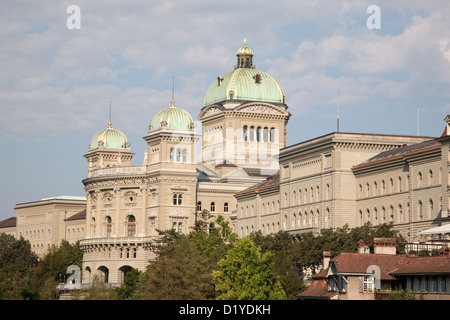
(77, 216)
(8, 223)
(359, 262)
(317, 289)
(424, 265)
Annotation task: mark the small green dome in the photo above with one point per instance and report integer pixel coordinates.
(172, 118)
(109, 138)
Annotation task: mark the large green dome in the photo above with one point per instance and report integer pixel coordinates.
(245, 83)
(172, 118)
(109, 138)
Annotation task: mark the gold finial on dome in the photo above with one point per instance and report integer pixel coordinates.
(245, 42)
(109, 124)
(173, 90)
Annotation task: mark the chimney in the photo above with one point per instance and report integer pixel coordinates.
(326, 259)
(384, 245)
(362, 248)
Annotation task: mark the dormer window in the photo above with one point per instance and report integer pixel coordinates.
(219, 80)
(258, 78)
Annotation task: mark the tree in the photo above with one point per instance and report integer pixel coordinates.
(52, 268)
(281, 244)
(179, 272)
(129, 290)
(16, 262)
(246, 274)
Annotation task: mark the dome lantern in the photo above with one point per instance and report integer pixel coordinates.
(245, 56)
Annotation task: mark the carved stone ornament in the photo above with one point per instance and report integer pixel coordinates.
(260, 109)
(211, 112)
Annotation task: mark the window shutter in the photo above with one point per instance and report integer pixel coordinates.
(361, 284)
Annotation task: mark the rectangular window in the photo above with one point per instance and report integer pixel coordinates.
(427, 284)
(443, 284)
(369, 284)
(434, 283)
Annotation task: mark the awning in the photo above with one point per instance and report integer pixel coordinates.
(439, 230)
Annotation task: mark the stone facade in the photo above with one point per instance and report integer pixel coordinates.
(49, 221)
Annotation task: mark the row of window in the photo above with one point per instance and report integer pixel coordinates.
(267, 208)
(428, 284)
(307, 195)
(35, 234)
(297, 220)
(212, 206)
(397, 214)
(131, 227)
(259, 134)
(130, 221)
(178, 155)
(391, 186)
(40, 234)
(128, 253)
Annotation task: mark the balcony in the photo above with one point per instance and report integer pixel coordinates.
(431, 246)
(116, 241)
(117, 171)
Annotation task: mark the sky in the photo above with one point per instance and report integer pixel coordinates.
(59, 78)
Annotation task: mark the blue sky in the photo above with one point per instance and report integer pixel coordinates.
(56, 83)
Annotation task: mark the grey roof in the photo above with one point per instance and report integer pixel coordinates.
(401, 151)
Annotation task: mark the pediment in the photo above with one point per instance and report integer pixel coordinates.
(262, 109)
(209, 111)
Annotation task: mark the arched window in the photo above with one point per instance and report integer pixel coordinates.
(180, 227)
(245, 133)
(225, 207)
(108, 226)
(252, 133)
(178, 155)
(265, 134)
(199, 206)
(258, 134)
(213, 207)
(272, 135)
(131, 224)
(184, 155)
(172, 153)
(420, 210)
(430, 208)
(419, 179)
